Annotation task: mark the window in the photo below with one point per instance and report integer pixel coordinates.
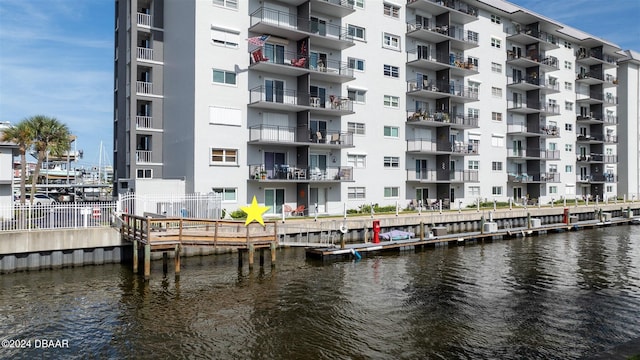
(391, 71)
(144, 174)
(474, 165)
(357, 96)
(496, 165)
(391, 162)
(568, 86)
(391, 192)
(496, 68)
(568, 168)
(224, 157)
(231, 4)
(358, 161)
(609, 188)
(496, 116)
(496, 92)
(566, 44)
(568, 147)
(495, 19)
(357, 3)
(224, 77)
(391, 101)
(356, 32)
(473, 113)
(228, 194)
(496, 190)
(496, 43)
(568, 127)
(553, 146)
(553, 189)
(391, 131)
(391, 10)
(356, 64)
(356, 192)
(568, 105)
(226, 38)
(355, 128)
(497, 141)
(474, 191)
(553, 168)
(567, 65)
(391, 41)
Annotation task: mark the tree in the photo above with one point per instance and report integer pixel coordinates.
(50, 136)
(22, 135)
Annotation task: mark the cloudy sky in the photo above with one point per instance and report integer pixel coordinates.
(56, 57)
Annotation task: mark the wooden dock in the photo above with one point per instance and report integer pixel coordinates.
(357, 250)
(172, 234)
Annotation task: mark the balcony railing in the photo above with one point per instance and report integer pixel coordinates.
(534, 153)
(291, 21)
(543, 129)
(549, 108)
(456, 33)
(294, 173)
(607, 177)
(590, 75)
(445, 118)
(143, 87)
(590, 137)
(294, 97)
(456, 90)
(144, 53)
(432, 175)
(285, 134)
(143, 156)
(535, 33)
(457, 147)
(549, 177)
(611, 139)
(596, 54)
(144, 122)
(455, 5)
(425, 53)
(143, 19)
(611, 119)
(540, 58)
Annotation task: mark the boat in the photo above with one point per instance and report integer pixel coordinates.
(397, 235)
(635, 221)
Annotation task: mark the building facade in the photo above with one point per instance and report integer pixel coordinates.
(322, 105)
(629, 114)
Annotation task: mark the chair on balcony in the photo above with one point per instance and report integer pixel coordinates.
(288, 210)
(299, 211)
(258, 57)
(319, 137)
(299, 62)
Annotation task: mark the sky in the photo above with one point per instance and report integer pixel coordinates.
(56, 58)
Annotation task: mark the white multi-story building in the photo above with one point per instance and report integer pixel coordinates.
(629, 114)
(335, 103)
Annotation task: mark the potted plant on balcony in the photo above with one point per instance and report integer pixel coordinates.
(263, 174)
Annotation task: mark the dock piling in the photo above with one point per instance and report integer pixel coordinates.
(165, 259)
(135, 256)
(147, 262)
(177, 261)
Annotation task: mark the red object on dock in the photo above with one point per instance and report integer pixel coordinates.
(565, 216)
(376, 231)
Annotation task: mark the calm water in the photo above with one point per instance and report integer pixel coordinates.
(560, 296)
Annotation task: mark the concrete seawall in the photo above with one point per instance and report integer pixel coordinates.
(50, 249)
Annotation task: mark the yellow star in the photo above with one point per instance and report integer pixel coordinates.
(254, 212)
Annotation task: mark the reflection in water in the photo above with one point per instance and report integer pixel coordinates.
(560, 296)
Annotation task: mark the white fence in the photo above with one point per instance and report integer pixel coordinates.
(201, 206)
(27, 217)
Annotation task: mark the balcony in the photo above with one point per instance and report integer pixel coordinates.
(461, 39)
(292, 27)
(527, 35)
(143, 156)
(430, 90)
(590, 159)
(533, 83)
(427, 146)
(296, 174)
(144, 122)
(271, 134)
(545, 63)
(337, 8)
(442, 176)
(442, 119)
(292, 100)
(143, 20)
(291, 65)
(590, 78)
(549, 177)
(146, 88)
(544, 131)
(548, 109)
(610, 81)
(611, 139)
(459, 11)
(459, 66)
(590, 138)
(533, 154)
(597, 178)
(595, 57)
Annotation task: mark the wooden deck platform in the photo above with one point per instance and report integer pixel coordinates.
(171, 234)
(358, 250)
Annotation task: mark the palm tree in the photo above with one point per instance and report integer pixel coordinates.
(22, 135)
(50, 136)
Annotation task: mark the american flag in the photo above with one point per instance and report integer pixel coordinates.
(258, 40)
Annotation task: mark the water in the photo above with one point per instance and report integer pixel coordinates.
(561, 296)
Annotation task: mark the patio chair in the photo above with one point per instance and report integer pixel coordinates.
(288, 210)
(299, 211)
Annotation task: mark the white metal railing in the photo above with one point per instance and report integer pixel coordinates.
(144, 19)
(27, 217)
(143, 156)
(198, 205)
(143, 87)
(145, 53)
(144, 122)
